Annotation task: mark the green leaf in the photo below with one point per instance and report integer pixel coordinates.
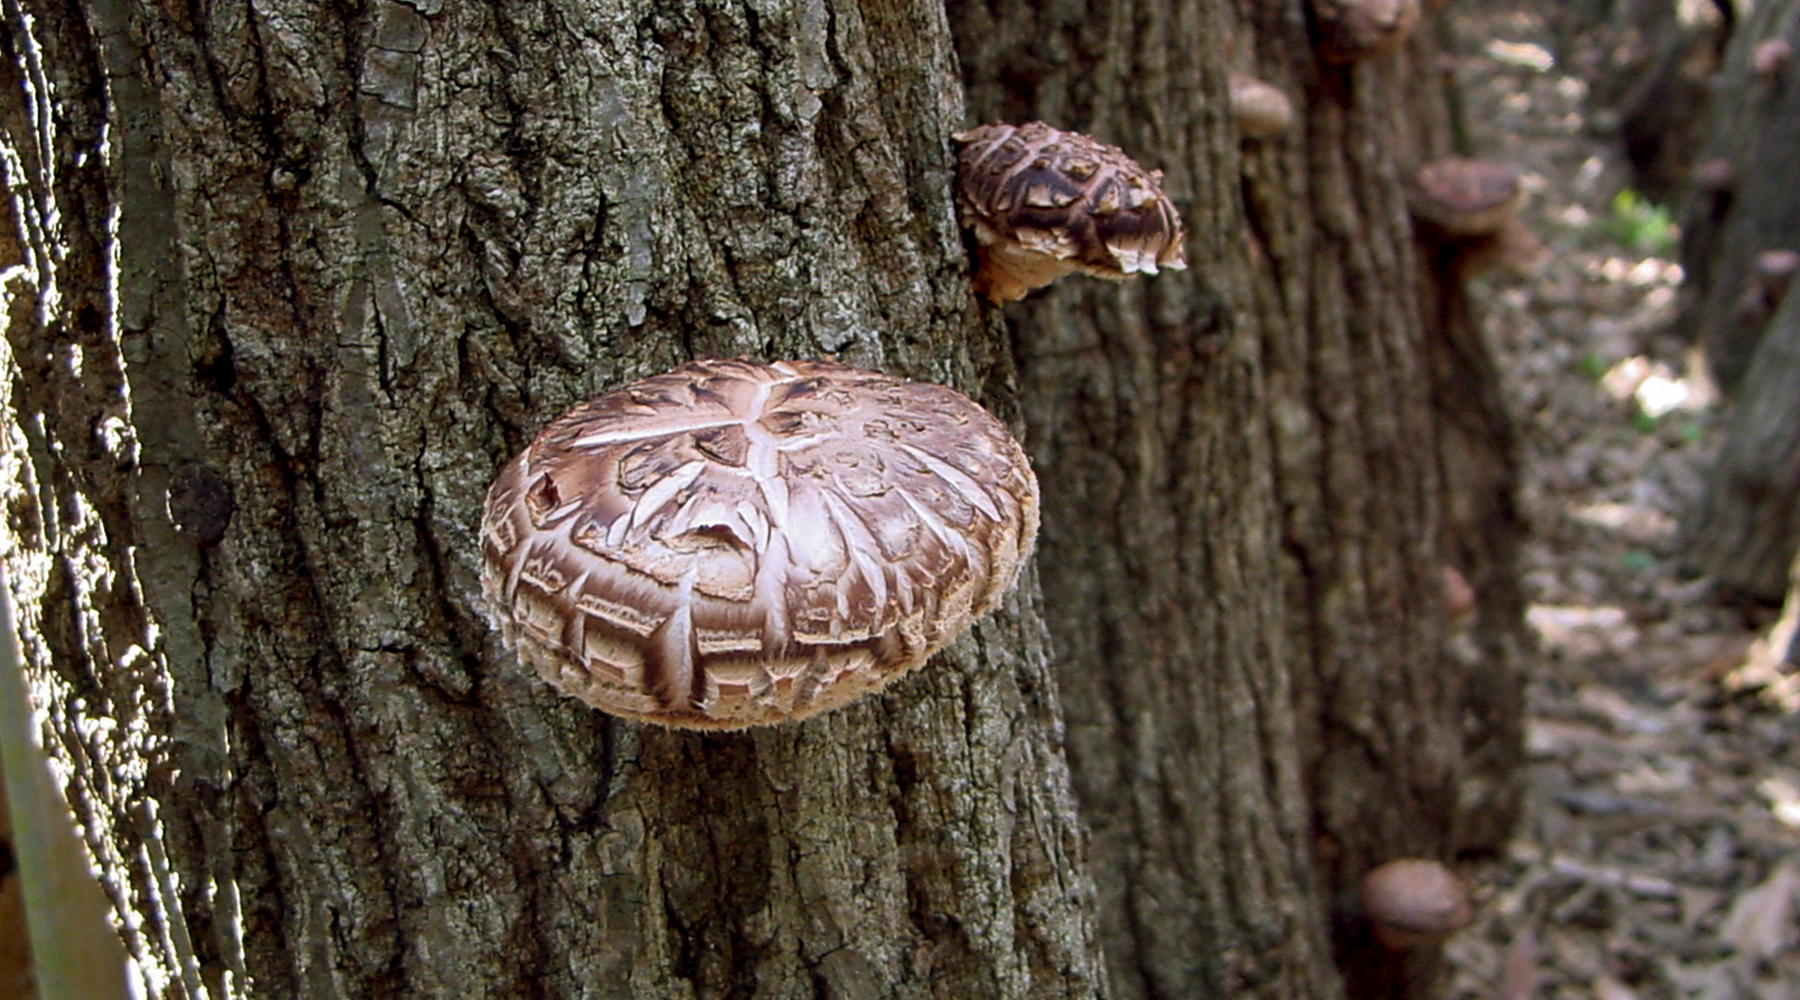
(1642, 226)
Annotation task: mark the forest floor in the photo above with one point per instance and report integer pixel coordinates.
(1659, 856)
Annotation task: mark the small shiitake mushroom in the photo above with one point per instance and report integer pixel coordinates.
(1770, 56)
(1471, 206)
(1771, 274)
(1715, 174)
(734, 543)
(1360, 29)
(1260, 109)
(1774, 271)
(1044, 203)
(1461, 197)
(1411, 902)
(1459, 596)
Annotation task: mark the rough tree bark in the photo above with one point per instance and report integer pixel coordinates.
(295, 279)
(1267, 460)
(1144, 406)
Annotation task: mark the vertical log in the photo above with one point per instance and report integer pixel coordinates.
(1741, 201)
(1259, 471)
(1744, 531)
(294, 280)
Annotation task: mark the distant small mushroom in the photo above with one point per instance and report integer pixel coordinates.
(1350, 30)
(1770, 56)
(1716, 174)
(1459, 596)
(734, 543)
(1775, 271)
(1260, 108)
(1472, 206)
(1462, 197)
(1771, 275)
(1044, 203)
(1412, 902)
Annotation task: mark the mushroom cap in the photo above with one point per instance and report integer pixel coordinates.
(1044, 202)
(1776, 268)
(1770, 55)
(1459, 596)
(734, 543)
(1260, 108)
(1360, 29)
(1715, 174)
(1414, 901)
(1463, 197)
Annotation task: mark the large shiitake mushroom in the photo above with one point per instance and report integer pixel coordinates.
(735, 543)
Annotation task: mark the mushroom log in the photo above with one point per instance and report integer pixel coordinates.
(733, 543)
(1044, 203)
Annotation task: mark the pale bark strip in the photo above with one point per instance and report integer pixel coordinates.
(364, 252)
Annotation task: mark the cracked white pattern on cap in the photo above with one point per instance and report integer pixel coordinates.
(735, 543)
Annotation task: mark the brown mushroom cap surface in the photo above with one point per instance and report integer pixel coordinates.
(1463, 197)
(1044, 202)
(1715, 174)
(1414, 901)
(1259, 108)
(735, 543)
(1775, 269)
(1770, 55)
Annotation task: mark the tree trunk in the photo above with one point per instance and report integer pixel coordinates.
(1742, 201)
(1744, 531)
(294, 281)
(1256, 473)
(1652, 64)
(1740, 251)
